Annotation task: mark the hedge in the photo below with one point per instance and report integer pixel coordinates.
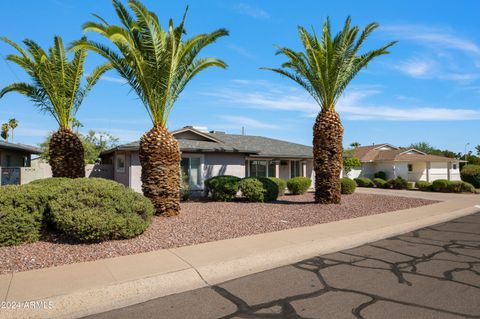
(348, 186)
(398, 183)
(423, 186)
(298, 185)
(381, 175)
(281, 184)
(252, 189)
(471, 174)
(96, 209)
(223, 188)
(379, 182)
(364, 182)
(440, 185)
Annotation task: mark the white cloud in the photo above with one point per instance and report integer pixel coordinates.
(415, 68)
(240, 50)
(113, 79)
(352, 105)
(247, 122)
(252, 11)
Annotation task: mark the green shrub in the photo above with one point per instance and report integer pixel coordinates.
(455, 186)
(424, 186)
(364, 182)
(223, 188)
(398, 183)
(347, 186)
(252, 189)
(185, 189)
(95, 209)
(298, 185)
(281, 184)
(379, 182)
(471, 174)
(467, 187)
(271, 188)
(381, 175)
(21, 214)
(440, 185)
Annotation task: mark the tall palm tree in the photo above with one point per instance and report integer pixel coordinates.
(56, 88)
(12, 123)
(324, 69)
(157, 63)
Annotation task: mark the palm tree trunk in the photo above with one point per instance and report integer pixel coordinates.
(327, 157)
(160, 160)
(66, 155)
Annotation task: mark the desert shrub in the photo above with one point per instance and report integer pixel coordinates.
(364, 182)
(381, 175)
(21, 214)
(379, 182)
(281, 184)
(185, 189)
(454, 187)
(95, 209)
(347, 186)
(440, 185)
(424, 186)
(223, 188)
(298, 185)
(271, 188)
(252, 189)
(471, 174)
(398, 183)
(467, 187)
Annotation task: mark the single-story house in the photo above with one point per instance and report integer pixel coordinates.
(408, 163)
(13, 159)
(211, 153)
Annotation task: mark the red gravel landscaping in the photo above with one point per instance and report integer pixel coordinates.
(201, 222)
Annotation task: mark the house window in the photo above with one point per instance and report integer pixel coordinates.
(295, 169)
(120, 163)
(410, 167)
(260, 168)
(192, 170)
(454, 166)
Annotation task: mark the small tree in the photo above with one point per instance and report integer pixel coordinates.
(12, 123)
(355, 144)
(5, 131)
(478, 149)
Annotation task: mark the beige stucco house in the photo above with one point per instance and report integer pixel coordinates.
(211, 153)
(15, 161)
(408, 163)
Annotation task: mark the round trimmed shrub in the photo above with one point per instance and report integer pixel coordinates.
(379, 182)
(467, 187)
(298, 185)
(96, 209)
(381, 175)
(398, 183)
(424, 186)
(348, 186)
(223, 188)
(440, 185)
(271, 188)
(471, 174)
(455, 186)
(281, 184)
(252, 189)
(364, 182)
(21, 215)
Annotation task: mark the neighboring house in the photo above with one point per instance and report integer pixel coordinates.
(15, 159)
(411, 164)
(206, 154)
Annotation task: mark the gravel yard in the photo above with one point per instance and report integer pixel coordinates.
(201, 222)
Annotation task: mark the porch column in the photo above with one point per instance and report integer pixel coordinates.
(304, 168)
(449, 166)
(277, 168)
(428, 171)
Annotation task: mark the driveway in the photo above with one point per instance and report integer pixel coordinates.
(429, 273)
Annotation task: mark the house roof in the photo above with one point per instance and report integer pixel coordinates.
(232, 143)
(20, 148)
(387, 152)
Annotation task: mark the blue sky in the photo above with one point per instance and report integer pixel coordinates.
(427, 89)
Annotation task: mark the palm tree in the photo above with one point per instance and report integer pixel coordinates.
(5, 131)
(56, 88)
(157, 63)
(324, 70)
(75, 124)
(12, 123)
(355, 145)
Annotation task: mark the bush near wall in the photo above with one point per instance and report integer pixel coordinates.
(471, 174)
(379, 182)
(348, 186)
(281, 183)
(424, 186)
(252, 189)
(381, 175)
(364, 182)
(440, 185)
(298, 185)
(223, 188)
(398, 183)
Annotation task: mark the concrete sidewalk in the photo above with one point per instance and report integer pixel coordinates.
(86, 288)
